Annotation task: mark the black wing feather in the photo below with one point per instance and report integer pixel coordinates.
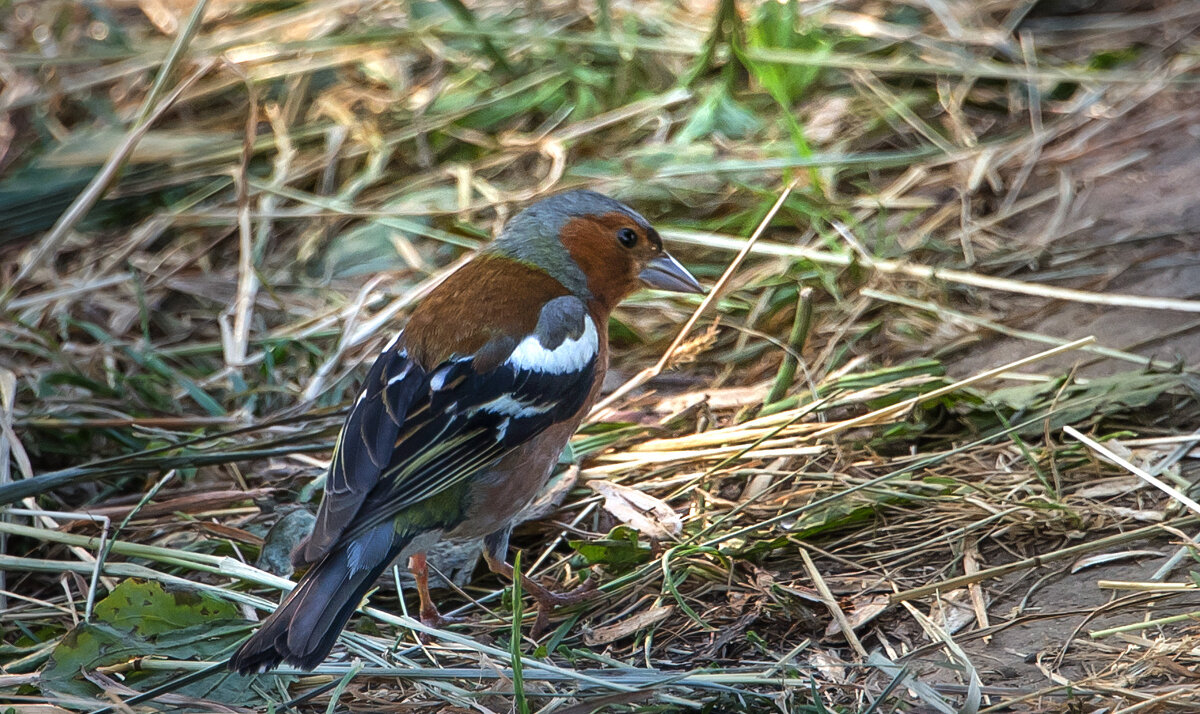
(430, 430)
(364, 446)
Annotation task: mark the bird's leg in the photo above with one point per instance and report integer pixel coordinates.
(547, 600)
(430, 617)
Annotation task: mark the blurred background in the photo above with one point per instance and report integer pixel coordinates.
(844, 488)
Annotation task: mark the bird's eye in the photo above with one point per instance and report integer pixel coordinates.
(628, 237)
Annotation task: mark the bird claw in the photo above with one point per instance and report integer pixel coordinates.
(570, 597)
(437, 621)
(549, 601)
(432, 618)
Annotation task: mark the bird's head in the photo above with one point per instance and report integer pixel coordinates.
(598, 248)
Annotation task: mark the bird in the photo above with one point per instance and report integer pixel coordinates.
(464, 414)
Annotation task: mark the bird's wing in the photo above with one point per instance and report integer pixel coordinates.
(433, 430)
(363, 450)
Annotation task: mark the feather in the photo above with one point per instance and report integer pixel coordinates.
(417, 432)
(304, 627)
(363, 447)
(472, 418)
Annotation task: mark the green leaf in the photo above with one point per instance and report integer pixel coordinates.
(719, 113)
(520, 703)
(1085, 401)
(621, 550)
(147, 608)
(364, 250)
(143, 618)
(888, 375)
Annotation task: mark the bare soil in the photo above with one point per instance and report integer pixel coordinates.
(1140, 231)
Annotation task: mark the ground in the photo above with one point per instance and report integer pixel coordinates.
(843, 436)
(1139, 228)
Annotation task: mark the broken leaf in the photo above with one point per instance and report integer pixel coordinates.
(1102, 558)
(640, 511)
(141, 618)
(621, 550)
(865, 609)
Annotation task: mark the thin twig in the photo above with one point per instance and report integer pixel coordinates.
(1141, 473)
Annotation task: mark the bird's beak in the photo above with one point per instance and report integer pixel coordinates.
(665, 273)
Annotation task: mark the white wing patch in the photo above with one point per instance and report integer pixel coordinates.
(403, 373)
(570, 356)
(438, 381)
(514, 407)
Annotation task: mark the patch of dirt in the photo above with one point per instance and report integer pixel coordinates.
(1055, 610)
(1135, 231)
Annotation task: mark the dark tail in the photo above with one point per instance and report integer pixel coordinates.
(304, 627)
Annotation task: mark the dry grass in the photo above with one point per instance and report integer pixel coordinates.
(792, 500)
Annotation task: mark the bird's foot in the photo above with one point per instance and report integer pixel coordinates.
(552, 599)
(430, 617)
(548, 601)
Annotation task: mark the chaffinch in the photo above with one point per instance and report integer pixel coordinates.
(465, 412)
